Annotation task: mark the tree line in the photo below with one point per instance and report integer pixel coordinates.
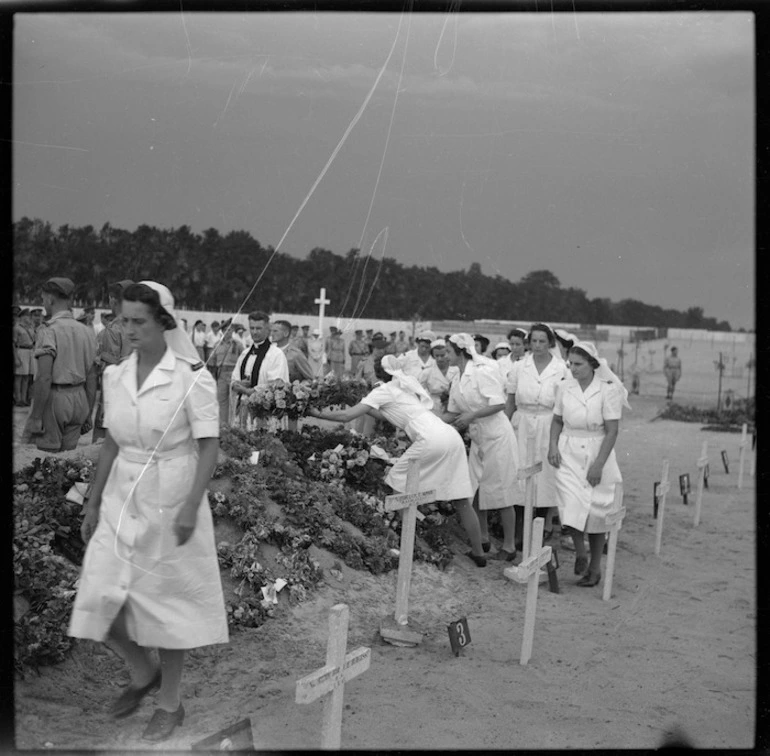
(209, 271)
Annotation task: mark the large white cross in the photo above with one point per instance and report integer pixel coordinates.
(329, 681)
(614, 520)
(322, 301)
(530, 494)
(395, 629)
(703, 460)
(528, 571)
(663, 488)
(743, 444)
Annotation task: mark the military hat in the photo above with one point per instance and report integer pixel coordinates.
(63, 285)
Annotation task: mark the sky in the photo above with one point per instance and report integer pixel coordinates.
(614, 149)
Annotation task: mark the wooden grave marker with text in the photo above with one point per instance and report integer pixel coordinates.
(614, 520)
(528, 572)
(663, 488)
(529, 474)
(329, 681)
(742, 458)
(702, 463)
(395, 628)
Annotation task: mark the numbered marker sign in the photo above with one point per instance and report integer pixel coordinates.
(724, 461)
(706, 476)
(655, 500)
(459, 635)
(551, 567)
(684, 485)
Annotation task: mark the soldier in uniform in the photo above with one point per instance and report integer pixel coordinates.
(358, 349)
(36, 315)
(335, 351)
(23, 343)
(112, 347)
(65, 387)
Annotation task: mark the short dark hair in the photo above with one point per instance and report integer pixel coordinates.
(284, 323)
(550, 335)
(259, 315)
(380, 371)
(590, 359)
(140, 292)
(519, 332)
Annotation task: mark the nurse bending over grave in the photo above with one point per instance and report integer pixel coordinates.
(150, 576)
(586, 418)
(403, 402)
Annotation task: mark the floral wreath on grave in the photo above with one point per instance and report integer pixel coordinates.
(292, 400)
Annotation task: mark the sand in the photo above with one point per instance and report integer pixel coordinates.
(674, 647)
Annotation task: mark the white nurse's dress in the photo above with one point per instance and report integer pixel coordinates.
(172, 594)
(581, 505)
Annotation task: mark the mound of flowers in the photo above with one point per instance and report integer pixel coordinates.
(314, 488)
(724, 419)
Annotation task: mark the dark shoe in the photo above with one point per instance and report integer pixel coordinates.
(504, 556)
(547, 535)
(589, 581)
(128, 701)
(480, 561)
(486, 545)
(163, 723)
(581, 564)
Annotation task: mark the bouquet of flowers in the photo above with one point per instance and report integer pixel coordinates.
(292, 400)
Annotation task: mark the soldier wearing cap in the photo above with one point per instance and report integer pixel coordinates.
(358, 349)
(36, 316)
(65, 387)
(23, 344)
(112, 347)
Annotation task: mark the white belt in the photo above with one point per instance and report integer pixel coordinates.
(143, 457)
(534, 409)
(581, 433)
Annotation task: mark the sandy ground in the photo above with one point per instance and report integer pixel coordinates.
(675, 645)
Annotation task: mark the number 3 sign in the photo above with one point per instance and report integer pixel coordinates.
(459, 635)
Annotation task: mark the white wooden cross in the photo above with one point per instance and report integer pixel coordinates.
(395, 629)
(528, 571)
(703, 461)
(742, 447)
(329, 681)
(663, 488)
(528, 474)
(614, 520)
(322, 301)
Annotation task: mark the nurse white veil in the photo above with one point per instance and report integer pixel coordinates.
(177, 339)
(603, 372)
(406, 382)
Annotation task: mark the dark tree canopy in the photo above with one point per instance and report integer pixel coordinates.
(209, 271)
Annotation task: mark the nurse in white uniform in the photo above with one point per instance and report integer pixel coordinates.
(150, 575)
(586, 417)
(476, 402)
(403, 402)
(531, 388)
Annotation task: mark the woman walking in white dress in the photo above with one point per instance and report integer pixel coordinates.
(531, 388)
(477, 402)
(402, 401)
(150, 575)
(586, 418)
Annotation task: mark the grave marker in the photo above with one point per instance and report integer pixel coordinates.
(528, 572)
(724, 461)
(322, 301)
(329, 681)
(459, 635)
(655, 499)
(530, 494)
(742, 458)
(684, 486)
(237, 737)
(395, 628)
(663, 488)
(614, 520)
(703, 463)
(551, 567)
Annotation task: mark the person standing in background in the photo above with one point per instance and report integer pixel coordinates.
(335, 351)
(213, 337)
(198, 337)
(672, 369)
(419, 359)
(23, 344)
(358, 350)
(65, 388)
(316, 353)
(112, 345)
(402, 345)
(37, 322)
(299, 367)
(223, 361)
(304, 337)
